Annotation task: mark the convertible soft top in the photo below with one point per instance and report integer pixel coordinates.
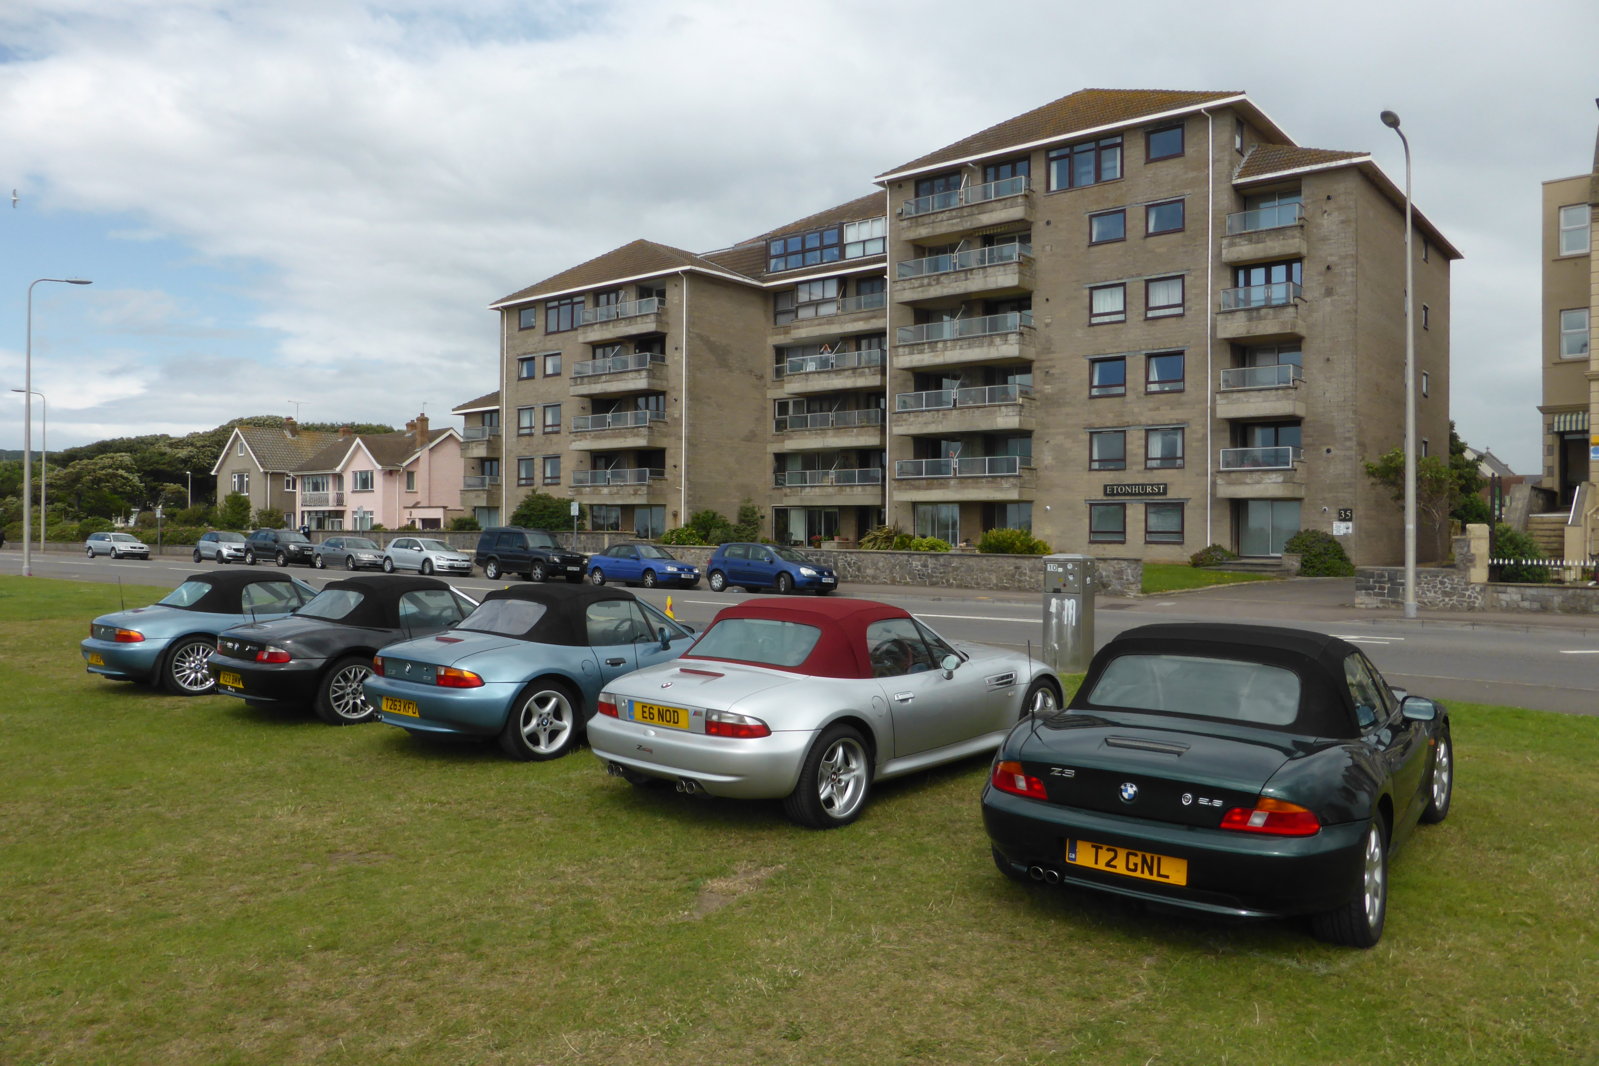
(226, 594)
(841, 650)
(380, 597)
(564, 619)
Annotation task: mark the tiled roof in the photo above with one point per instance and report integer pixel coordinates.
(1084, 110)
(639, 258)
(869, 206)
(1267, 159)
(487, 400)
(276, 451)
(388, 450)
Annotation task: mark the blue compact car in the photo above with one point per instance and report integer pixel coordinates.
(170, 642)
(526, 667)
(641, 564)
(768, 566)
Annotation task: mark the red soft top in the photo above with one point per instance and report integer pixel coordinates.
(840, 651)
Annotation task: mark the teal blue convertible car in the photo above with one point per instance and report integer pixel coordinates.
(169, 643)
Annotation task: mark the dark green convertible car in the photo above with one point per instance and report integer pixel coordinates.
(1248, 771)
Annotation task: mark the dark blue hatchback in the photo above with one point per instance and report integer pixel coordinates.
(768, 566)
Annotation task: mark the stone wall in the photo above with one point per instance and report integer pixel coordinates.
(1462, 587)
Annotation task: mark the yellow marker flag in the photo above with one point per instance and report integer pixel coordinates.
(669, 613)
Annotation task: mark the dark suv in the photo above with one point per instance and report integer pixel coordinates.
(533, 553)
(282, 546)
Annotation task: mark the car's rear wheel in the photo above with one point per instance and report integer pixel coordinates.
(89, 552)
(318, 562)
(340, 699)
(718, 581)
(538, 573)
(197, 555)
(491, 570)
(388, 565)
(1442, 787)
(427, 567)
(543, 722)
(349, 562)
(281, 559)
(1042, 698)
(785, 584)
(596, 576)
(834, 781)
(184, 672)
(650, 580)
(249, 557)
(1359, 923)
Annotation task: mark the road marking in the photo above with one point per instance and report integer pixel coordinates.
(1579, 651)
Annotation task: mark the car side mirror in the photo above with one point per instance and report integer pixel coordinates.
(1418, 709)
(948, 665)
(665, 638)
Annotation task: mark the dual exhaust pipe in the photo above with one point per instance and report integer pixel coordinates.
(1040, 873)
(686, 785)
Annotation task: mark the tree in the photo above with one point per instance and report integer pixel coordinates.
(1470, 507)
(234, 512)
(269, 518)
(748, 526)
(103, 485)
(540, 510)
(1437, 491)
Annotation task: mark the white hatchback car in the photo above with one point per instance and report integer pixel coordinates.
(116, 545)
(426, 556)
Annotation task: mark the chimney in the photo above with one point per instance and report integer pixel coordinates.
(290, 429)
(421, 425)
(345, 431)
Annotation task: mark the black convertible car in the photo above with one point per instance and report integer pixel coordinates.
(1238, 770)
(323, 653)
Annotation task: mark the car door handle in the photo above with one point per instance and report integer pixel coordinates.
(616, 662)
(904, 697)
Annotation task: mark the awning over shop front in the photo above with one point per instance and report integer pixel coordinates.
(1570, 422)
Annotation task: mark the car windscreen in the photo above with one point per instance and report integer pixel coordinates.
(332, 604)
(186, 594)
(360, 542)
(124, 538)
(508, 618)
(758, 640)
(542, 540)
(230, 538)
(294, 538)
(1227, 689)
(434, 546)
(650, 551)
(789, 555)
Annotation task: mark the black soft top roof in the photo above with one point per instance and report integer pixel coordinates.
(380, 597)
(226, 594)
(564, 620)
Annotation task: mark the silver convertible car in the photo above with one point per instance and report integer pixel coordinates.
(811, 701)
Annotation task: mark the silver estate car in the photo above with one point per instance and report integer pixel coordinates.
(116, 545)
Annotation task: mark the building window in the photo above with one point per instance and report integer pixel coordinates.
(1107, 377)
(288, 482)
(865, 238)
(1013, 168)
(1574, 229)
(1238, 136)
(552, 469)
(941, 520)
(1424, 447)
(241, 481)
(552, 365)
(562, 315)
(1107, 449)
(410, 481)
(811, 299)
(525, 421)
(1107, 523)
(526, 471)
(1163, 523)
(1013, 516)
(605, 518)
(803, 249)
(1107, 226)
(1574, 333)
(489, 467)
(1426, 317)
(552, 418)
(1163, 297)
(649, 522)
(1164, 143)
(1088, 163)
(1163, 372)
(361, 481)
(1426, 382)
(527, 367)
(1163, 448)
(1164, 217)
(1426, 249)
(527, 317)
(1107, 303)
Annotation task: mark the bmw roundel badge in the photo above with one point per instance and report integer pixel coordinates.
(1128, 791)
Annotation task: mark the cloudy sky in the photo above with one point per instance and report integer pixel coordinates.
(306, 205)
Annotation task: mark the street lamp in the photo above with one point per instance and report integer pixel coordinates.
(1391, 120)
(44, 464)
(190, 475)
(27, 426)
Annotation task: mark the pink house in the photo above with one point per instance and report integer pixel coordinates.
(396, 480)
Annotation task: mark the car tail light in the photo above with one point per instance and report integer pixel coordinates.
(1274, 817)
(607, 705)
(738, 726)
(270, 654)
(377, 665)
(451, 677)
(128, 636)
(1010, 777)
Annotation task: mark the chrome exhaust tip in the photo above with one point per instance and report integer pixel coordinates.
(614, 769)
(1036, 873)
(688, 786)
(1052, 877)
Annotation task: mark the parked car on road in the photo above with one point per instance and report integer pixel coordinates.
(116, 545)
(352, 553)
(281, 546)
(1245, 771)
(526, 667)
(321, 654)
(219, 545)
(768, 566)
(533, 553)
(641, 564)
(168, 643)
(426, 556)
(812, 702)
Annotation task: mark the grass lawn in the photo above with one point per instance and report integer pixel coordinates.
(193, 881)
(1174, 577)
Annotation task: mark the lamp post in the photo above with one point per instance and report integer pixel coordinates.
(44, 464)
(190, 475)
(27, 426)
(1391, 120)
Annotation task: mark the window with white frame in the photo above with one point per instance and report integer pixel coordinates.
(1575, 225)
(869, 237)
(241, 482)
(1107, 303)
(1574, 333)
(410, 481)
(288, 482)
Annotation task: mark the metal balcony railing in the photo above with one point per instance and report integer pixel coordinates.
(942, 399)
(480, 481)
(967, 260)
(872, 301)
(322, 499)
(956, 328)
(471, 433)
(1276, 457)
(1275, 217)
(640, 475)
(830, 420)
(616, 420)
(976, 466)
(1276, 376)
(971, 194)
(616, 364)
(611, 312)
(793, 479)
(814, 364)
(1275, 294)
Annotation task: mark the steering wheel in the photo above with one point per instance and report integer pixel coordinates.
(891, 658)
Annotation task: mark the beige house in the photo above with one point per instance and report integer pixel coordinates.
(261, 462)
(1132, 322)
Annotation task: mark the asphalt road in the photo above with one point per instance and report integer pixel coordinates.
(1541, 662)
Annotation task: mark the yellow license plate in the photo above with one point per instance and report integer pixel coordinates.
(654, 714)
(229, 679)
(405, 707)
(1127, 862)
(96, 659)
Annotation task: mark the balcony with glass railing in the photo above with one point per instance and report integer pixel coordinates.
(974, 466)
(796, 479)
(966, 210)
(479, 482)
(1264, 218)
(1004, 338)
(1265, 233)
(1275, 472)
(322, 499)
(626, 319)
(611, 312)
(477, 442)
(999, 270)
(867, 417)
(1275, 457)
(638, 475)
(824, 362)
(966, 196)
(616, 420)
(1273, 294)
(1260, 311)
(634, 372)
(832, 317)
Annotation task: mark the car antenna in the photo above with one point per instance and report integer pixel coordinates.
(120, 597)
(1032, 725)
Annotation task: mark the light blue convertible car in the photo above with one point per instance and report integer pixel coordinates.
(524, 667)
(168, 643)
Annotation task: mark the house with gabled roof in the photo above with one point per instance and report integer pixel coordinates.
(261, 463)
(393, 480)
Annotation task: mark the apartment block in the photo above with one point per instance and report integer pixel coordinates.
(1132, 322)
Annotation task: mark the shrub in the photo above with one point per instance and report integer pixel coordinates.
(880, 539)
(1512, 543)
(1215, 555)
(1011, 542)
(234, 512)
(1320, 554)
(269, 518)
(748, 526)
(926, 544)
(464, 523)
(712, 527)
(681, 535)
(540, 510)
